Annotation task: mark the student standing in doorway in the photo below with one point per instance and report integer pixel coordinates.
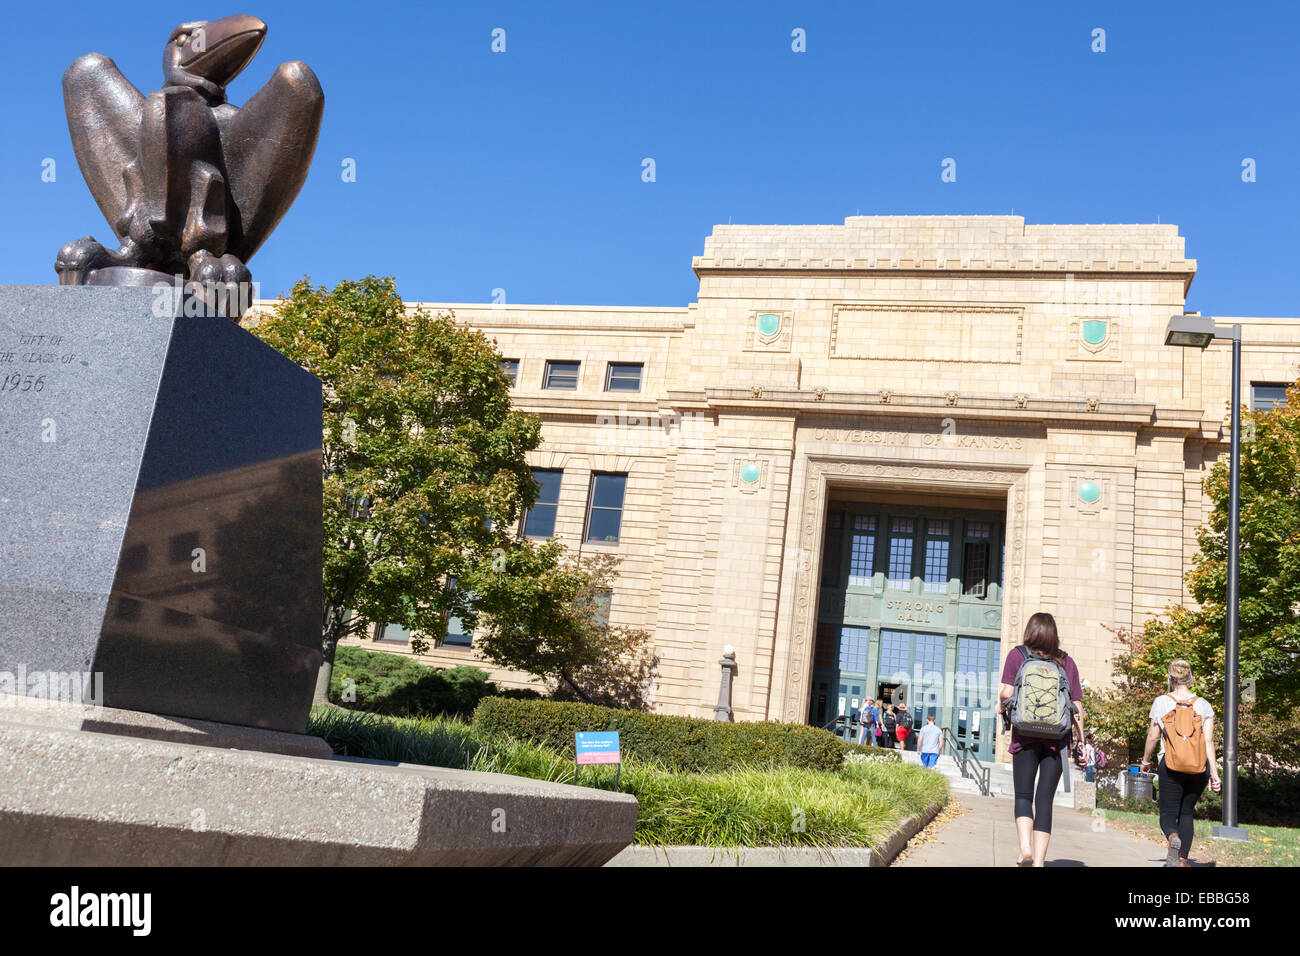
(930, 742)
(1186, 723)
(889, 722)
(1037, 762)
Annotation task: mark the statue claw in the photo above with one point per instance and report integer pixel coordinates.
(224, 283)
(77, 259)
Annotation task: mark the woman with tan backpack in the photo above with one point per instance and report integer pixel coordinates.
(1183, 725)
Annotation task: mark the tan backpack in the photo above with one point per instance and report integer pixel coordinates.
(1184, 737)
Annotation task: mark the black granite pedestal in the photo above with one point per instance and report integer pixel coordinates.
(160, 509)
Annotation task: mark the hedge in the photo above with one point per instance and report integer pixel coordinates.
(398, 686)
(676, 743)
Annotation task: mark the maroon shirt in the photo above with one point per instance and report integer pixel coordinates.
(1009, 671)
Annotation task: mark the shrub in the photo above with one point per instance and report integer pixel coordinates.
(860, 805)
(401, 687)
(676, 743)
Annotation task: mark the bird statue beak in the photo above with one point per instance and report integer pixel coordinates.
(221, 49)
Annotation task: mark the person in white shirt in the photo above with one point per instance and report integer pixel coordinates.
(1089, 760)
(1179, 791)
(930, 742)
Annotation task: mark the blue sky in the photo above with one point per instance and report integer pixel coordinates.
(522, 170)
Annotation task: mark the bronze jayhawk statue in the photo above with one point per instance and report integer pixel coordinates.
(191, 185)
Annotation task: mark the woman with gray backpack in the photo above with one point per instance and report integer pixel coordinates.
(1183, 724)
(1040, 697)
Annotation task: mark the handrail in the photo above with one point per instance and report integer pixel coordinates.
(965, 757)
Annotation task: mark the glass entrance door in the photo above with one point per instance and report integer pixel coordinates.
(974, 719)
(913, 663)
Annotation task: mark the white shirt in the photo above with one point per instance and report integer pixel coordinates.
(1165, 703)
(1089, 755)
(930, 736)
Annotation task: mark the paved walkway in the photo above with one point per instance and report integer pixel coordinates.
(985, 835)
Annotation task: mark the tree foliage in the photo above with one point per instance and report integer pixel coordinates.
(548, 614)
(1269, 615)
(424, 459)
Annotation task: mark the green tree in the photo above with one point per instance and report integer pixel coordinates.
(424, 461)
(1269, 626)
(549, 615)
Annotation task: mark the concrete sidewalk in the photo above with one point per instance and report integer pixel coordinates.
(985, 835)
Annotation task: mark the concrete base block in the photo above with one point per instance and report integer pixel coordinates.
(65, 715)
(1085, 795)
(79, 798)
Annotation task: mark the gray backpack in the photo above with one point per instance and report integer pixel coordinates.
(1041, 705)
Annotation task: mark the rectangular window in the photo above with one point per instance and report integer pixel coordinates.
(601, 601)
(562, 375)
(901, 531)
(540, 520)
(511, 369)
(862, 551)
(937, 534)
(853, 648)
(975, 566)
(623, 377)
(1267, 395)
(458, 634)
(605, 507)
(393, 633)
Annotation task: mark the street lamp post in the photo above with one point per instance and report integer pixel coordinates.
(1198, 331)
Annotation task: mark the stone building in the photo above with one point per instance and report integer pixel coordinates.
(868, 452)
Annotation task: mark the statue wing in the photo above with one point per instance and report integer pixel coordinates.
(103, 109)
(268, 145)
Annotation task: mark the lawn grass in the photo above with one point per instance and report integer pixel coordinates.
(1267, 846)
(859, 805)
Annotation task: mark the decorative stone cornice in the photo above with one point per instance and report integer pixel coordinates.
(1020, 407)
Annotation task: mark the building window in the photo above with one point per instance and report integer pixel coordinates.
(1267, 395)
(605, 508)
(539, 522)
(975, 558)
(862, 551)
(623, 377)
(601, 599)
(458, 635)
(901, 531)
(853, 648)
(561, 375)
(510, 367)
(393, 634)
(937, 534)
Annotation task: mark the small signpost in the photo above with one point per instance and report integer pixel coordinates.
(592, 747)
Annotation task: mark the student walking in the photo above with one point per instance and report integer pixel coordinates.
(930, 742)
(867, 718)
(1183, 724)
(1040, 697)
(1089, 759)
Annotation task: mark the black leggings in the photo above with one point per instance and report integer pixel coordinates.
(1178, 795)
(1039, 760)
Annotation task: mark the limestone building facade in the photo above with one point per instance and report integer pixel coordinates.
(868, 452)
